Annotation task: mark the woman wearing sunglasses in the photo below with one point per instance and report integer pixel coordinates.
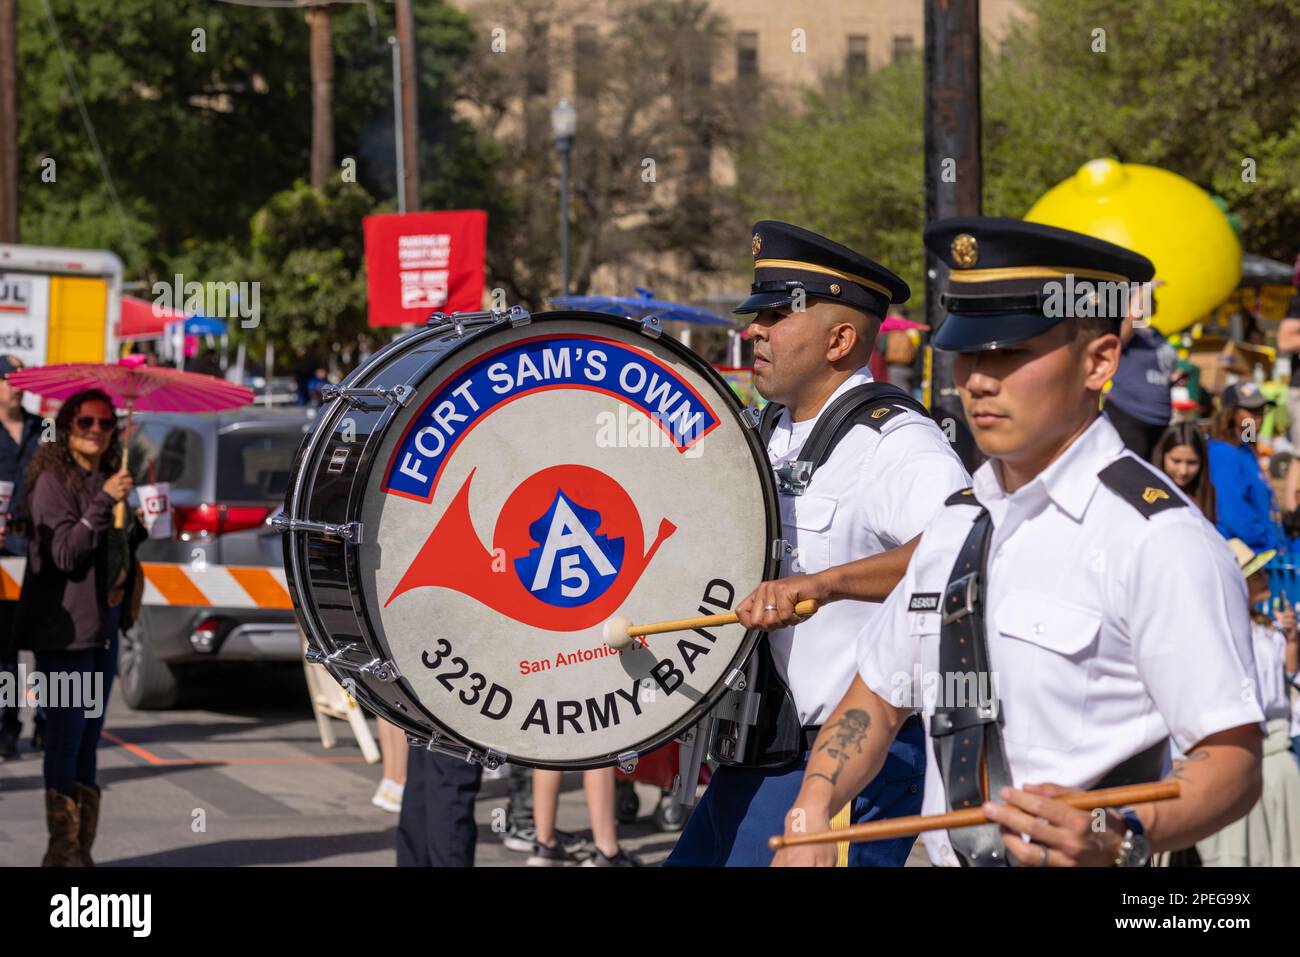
(80, 570)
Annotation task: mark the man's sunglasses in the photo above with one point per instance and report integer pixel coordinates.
(84, 422)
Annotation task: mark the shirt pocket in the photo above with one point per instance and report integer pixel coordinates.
(806, 525)
(1041, 674)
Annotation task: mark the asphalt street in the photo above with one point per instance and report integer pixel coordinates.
(238, 776)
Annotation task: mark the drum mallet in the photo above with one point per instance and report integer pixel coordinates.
(973, 816)
(619, 632)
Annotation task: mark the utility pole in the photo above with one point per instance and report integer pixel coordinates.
(953, 176)
(322, 95)
(410, 105)
(8, 121)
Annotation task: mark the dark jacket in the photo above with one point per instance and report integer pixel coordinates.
(14, 457)
(64, 597)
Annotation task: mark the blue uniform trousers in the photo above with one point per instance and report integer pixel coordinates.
(743, 807)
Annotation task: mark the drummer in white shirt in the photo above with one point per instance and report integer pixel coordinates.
(1091, 612)
(818, 307)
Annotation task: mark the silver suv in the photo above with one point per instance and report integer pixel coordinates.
(228, 473)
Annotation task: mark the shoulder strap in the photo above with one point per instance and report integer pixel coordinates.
(1140, 486)
(767, 421)
(965, 497)
(872, 404)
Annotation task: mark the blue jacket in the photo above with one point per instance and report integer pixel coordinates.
(1247, 508)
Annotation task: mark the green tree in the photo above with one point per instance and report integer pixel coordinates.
(1194, 86)
(307, 252)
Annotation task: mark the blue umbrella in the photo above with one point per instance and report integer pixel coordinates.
(204, 326)
(642, 305)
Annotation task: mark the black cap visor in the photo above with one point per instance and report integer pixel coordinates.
(776, 299)
(978, 333)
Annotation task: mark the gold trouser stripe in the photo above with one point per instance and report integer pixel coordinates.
(825, 270)
(1031, 272)
(838, 823)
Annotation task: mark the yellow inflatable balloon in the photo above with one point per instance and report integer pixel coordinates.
(1168, 219)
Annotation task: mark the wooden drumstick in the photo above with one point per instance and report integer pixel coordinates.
(619, 632)
(973, 816)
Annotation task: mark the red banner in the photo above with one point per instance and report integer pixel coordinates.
(418, 263)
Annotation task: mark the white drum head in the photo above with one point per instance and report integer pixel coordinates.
(542, 481)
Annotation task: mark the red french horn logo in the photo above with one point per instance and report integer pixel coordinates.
(567, 550)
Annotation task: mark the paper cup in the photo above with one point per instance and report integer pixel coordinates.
(155, 502)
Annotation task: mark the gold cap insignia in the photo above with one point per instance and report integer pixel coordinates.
(1152, 495)
(881, 412)
(835, 288)
(756, 244)
(965, 250)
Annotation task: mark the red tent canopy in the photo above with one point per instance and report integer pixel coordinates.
(139, 322)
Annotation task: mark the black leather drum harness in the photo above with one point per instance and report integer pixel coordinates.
(757, 723)
(967, 740)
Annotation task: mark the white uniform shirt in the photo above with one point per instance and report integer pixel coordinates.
(1107, 631)
(878, 490)
(1270, 661)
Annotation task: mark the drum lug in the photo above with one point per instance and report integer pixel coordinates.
(750, 416)
(735, 681)
(349, 532)
(398, 395)
(385, 671)
(781, 549)
(627, 761)
(491, 759)
(651, 326)
(519, 316)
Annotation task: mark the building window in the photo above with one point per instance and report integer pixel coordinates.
(746, 55)
(903, 48)
(856, 63)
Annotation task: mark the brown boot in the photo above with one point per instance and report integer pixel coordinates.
(88, 810)
(63, 822)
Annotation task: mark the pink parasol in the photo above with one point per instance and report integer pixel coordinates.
(899, 324)
(131, 383)
(136, 386)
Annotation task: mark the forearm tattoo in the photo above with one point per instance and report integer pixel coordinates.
(845, 740)
(1180, 766)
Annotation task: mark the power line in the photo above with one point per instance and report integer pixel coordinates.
(85, 119)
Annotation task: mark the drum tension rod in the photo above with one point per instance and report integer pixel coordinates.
(491, 758)
(349, 532)
(377, 668)
(650, 326)
(518, 316)
(398, 395)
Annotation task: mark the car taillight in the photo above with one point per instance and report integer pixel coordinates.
(210, 520)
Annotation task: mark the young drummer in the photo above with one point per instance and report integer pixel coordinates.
(1063, 618)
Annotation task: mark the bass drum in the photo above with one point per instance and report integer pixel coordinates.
(481, 496)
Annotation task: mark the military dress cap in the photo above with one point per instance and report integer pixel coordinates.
(787, 258)
(1010, 280)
